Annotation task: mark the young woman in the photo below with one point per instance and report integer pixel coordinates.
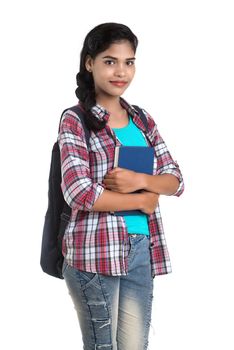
(110, 261)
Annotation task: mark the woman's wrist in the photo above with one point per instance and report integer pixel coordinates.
(142, 181)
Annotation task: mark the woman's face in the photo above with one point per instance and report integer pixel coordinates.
(112, 69)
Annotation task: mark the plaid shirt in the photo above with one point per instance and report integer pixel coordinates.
(98, 241)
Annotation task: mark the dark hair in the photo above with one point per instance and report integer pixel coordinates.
(98, 40)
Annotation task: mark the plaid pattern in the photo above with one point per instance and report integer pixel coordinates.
(98, 241)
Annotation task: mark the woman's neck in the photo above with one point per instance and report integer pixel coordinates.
(112, 105)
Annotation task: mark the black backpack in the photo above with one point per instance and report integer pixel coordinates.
(58, 212)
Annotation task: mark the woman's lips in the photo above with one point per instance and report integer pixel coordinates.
(118, 83)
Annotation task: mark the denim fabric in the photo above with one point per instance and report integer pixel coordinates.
(114, 312)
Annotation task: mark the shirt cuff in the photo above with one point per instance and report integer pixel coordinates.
(96, 192)
(177, 174)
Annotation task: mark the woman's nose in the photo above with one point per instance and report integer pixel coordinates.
(120, 71)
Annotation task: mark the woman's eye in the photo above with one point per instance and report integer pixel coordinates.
(109, 62)
(112, 62)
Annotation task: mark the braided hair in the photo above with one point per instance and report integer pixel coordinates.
(98, 40)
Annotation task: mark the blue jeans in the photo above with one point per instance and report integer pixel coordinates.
(114, 312)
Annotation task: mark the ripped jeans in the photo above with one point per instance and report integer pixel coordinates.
(114, 312)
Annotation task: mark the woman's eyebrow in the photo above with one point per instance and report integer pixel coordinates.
(115, 58)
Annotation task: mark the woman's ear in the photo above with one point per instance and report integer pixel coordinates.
(88, 63)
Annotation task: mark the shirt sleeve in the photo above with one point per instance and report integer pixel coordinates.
(79, 191)
(165, 163)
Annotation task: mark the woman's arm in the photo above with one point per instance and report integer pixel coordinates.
(79, 190)
(166, 184)
(126, 181)
(114, 201)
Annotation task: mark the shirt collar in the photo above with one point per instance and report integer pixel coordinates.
(102, 114)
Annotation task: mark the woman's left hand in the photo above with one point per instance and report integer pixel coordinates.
(123, 180)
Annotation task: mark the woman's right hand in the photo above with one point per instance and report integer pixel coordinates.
(149, 202)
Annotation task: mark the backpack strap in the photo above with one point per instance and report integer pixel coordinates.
(143, 116)
(76, 109)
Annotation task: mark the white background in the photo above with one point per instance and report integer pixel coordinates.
(185, 79)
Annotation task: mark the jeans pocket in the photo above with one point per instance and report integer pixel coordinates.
(64, 267)
(88, 278)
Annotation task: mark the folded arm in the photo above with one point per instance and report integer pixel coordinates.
(79, 190)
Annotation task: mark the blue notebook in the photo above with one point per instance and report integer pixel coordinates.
(136, 158)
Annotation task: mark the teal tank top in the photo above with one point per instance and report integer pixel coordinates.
(131, 135)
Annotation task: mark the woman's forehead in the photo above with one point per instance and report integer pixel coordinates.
(119, 50)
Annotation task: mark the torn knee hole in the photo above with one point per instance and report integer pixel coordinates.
(101, 323)
(104, 347)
